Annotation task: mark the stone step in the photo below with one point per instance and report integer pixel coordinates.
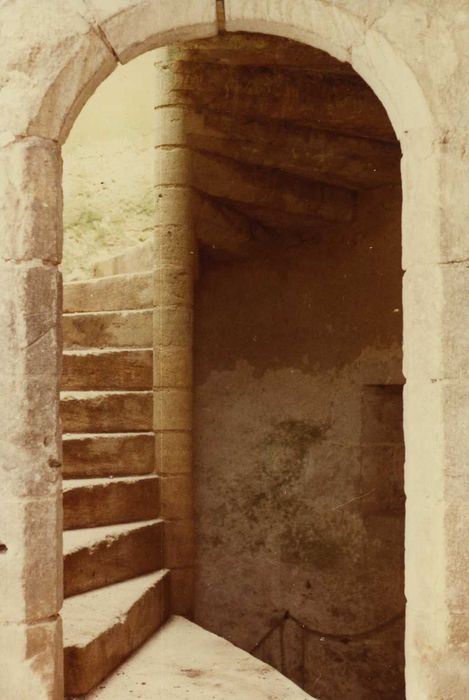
(114, 293)
(106, 412)
(107, 369)
(99, 455)
(183, 661)
(108, 329)
(95, 502)
(138, 258)
(99, 556)
(102, 628)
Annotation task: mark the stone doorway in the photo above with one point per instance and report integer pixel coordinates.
(64, 53)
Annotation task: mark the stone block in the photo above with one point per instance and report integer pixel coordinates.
(172, 409)
(179, 546)
(173, 367)
(124, 291)
(99, 557)
(436, 322)
(436, 425)
(173, 166)
(175, 246)
(30, 454)
(97, 502)
(30, 559)
(173, 452)
(174, 205)
(109, 329)
(173, 285)
(331, 29)
(176, 497)
(32, 661)
(138, 259)
(53, 60)
(111, 370)
(102, 412)
(134, 27)
(104, 454)
(435, 170)
(31, 200)
(170, 121)
(182, 592)
(172, 326)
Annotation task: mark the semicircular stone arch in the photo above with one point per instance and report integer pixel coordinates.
(52, 57)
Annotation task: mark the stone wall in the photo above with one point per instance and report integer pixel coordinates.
(299, 456)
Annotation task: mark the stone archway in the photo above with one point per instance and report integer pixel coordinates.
(52, 59)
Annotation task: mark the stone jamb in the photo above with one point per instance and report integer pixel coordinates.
(54, 56)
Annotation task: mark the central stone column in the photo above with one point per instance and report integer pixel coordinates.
(174, 273)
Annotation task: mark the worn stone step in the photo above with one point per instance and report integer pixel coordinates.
(102, 628)
(108, 329)
(99, 556)
(97, 502)
(107, 369)
(106, 412)
(100, 455)
(117, 292)
(182, 661)
(138, 258)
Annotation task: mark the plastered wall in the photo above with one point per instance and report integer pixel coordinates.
(299, 455)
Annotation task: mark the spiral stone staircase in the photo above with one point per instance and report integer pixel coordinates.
(117, 593)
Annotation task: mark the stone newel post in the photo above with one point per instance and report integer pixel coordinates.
(174, 271)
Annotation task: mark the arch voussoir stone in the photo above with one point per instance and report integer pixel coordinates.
(135, 26)
(51, 61)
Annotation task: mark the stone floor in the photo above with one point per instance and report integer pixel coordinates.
(184, 661)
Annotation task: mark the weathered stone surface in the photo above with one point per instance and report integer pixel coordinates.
(102, 628)
(29, 358)
(137, 259)
(108, 329)
(333, 30)
(314, 154)
(30, 559)
(172, 409)
(436, 204)
(116, 293)
(31, 200)
(176, 497)
(226, 179)
(341, 103)
(98, 557)
(125, 454)
(172, 326)
(107, 369)
(173, 286)
(95, 502)
(173, 205)
(186, 660)
(52, 61)
(380, 649)
(32, 660)
(182, 592)
(173, 367)
(179, 550)
(436, 325)
(173, 452)
(104, 412)
(135, 27)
